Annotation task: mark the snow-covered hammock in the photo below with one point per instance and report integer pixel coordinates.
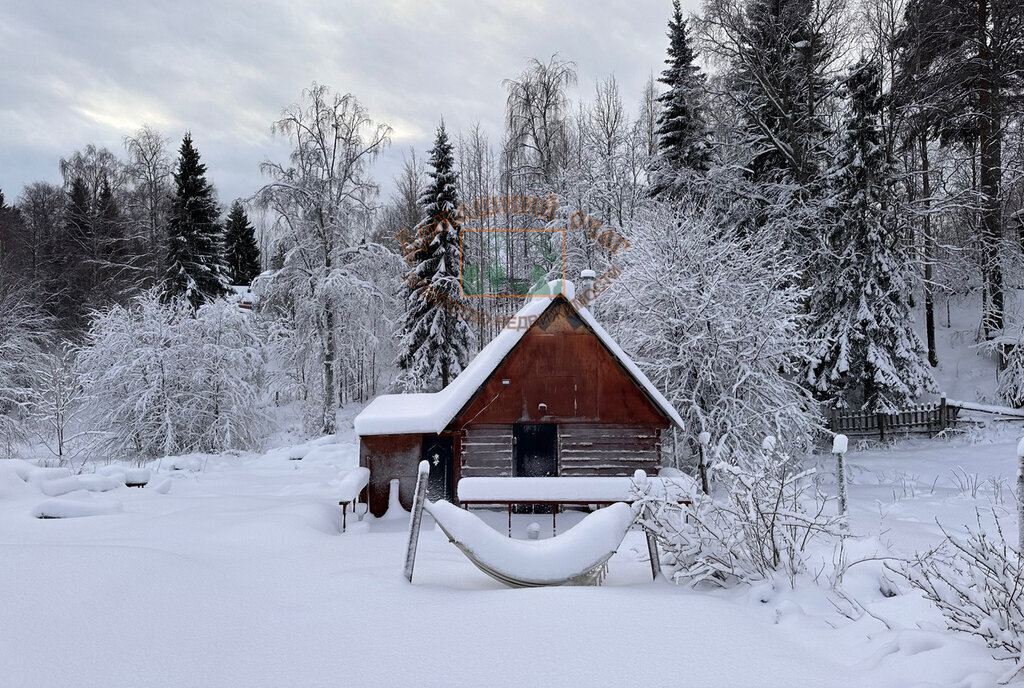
(576, 557)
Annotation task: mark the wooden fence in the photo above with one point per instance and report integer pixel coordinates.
(923, 419)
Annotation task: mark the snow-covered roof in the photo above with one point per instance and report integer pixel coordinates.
(404, 414)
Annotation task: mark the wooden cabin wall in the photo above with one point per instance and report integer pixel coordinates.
(486, 451)
(567, 368)
(387, 457)
(607, 450)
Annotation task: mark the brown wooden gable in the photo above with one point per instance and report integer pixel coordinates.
(567, 367)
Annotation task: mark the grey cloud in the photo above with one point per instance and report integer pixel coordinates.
(92, 72)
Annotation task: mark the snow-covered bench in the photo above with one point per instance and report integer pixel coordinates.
(349, 488)
(559, 492)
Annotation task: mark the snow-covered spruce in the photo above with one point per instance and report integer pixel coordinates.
(435, 338)
(866, 352)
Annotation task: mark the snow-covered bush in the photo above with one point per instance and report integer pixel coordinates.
(713, 316)
(22, 326)
(167, 380)
(977, 583)
(1011, 376)
(766, 514)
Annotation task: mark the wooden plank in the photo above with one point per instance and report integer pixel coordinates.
(416, 518)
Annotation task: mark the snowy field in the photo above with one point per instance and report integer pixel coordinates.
(232, 571)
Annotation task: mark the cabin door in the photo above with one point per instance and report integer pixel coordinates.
(438, 452)
(535, 450)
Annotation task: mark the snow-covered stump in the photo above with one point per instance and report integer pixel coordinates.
(1020, 497)
(416, 518)
(840, 443)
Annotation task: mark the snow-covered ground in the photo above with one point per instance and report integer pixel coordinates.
(232, 571)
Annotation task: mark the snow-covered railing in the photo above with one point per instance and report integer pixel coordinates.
(988, 408)
(557, 492)
(588, 490)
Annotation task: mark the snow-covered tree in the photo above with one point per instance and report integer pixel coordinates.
(59, 405)
(333, 295)
(195, 268)
(866, 351)
(713, 318)
(241, 254)
(22, 328)
(779, 55)
(683, 133)
(435, 338)
(165, 379)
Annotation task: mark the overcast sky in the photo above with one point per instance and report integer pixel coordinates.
(76, 72)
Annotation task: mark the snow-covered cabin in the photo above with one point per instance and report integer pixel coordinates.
(556, 397)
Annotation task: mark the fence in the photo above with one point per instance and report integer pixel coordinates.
(923, 419)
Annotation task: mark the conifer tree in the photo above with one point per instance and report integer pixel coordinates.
(435, 338)
(779, 79)
(241, 253)
(683, 133)
(195, 269)
(866, 351)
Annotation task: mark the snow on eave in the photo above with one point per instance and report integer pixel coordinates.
(430, 413)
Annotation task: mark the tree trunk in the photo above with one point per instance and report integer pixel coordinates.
(990, 160)
(929, 252)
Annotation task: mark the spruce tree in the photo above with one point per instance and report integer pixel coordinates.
(683, 132)
(241, 253)
(435, 339)
(866, 351)
(195, 270)
(779, 82)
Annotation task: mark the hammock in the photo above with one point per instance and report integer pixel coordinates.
(578, 556)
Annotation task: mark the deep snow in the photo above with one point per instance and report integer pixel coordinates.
(239, 576)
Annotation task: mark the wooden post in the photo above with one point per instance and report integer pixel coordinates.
(833, 421)
(652, 549)
(840, 443)
(880, 419)
(943, 417)
(416, 518)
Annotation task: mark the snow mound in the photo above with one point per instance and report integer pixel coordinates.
(12, 484)
(89, 483)
(331, 454)
(540, 562)
(35, 475)
(184, 463)
(162, 486)
(77, 508)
